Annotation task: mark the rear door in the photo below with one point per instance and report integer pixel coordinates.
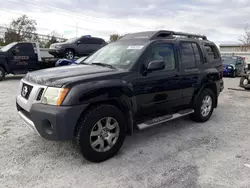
(94, 44)
(190, 61)
(83, 47)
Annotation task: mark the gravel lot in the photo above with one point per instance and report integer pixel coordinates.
(179, 154)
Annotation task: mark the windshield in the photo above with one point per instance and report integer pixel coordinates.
(119, 55)
(7, 47)
(71, 40)
(229, 60)
(80, 59)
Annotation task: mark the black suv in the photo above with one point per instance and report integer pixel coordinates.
(142, 80)
(82, 46)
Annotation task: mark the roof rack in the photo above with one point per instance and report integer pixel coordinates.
(172, 34)
(151, 35)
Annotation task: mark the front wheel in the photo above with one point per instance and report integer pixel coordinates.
(101, 133)
(2, 73)
(204, 106)
(233, 74)
(69, 54)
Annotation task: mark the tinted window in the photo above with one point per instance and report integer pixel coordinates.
(163, 52)
(212, 52)
(25, 48)
(187, 55)
(84, 40)
(91, 41)
(197, 53)
(97, 41)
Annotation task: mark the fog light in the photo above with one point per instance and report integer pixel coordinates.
(48, 127)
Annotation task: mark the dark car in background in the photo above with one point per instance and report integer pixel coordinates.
(82, 46)
(233, 65)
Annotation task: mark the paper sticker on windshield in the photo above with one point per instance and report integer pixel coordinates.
(135, 47)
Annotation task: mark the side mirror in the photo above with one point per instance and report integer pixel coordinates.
(78, 42)
(155, 65)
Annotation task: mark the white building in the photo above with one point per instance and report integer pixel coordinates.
(235, 49)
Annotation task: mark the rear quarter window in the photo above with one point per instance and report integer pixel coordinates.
(212, 52)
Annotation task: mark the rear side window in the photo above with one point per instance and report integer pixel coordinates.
(92, 41)
(188, 58)
(212, 52)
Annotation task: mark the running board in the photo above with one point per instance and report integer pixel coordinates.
(163, 119)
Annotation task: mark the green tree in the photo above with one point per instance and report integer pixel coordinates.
(21, 29)
(115, 37)
(52, 39)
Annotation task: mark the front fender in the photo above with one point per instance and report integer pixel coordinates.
(102, 90)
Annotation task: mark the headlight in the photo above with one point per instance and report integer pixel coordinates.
(229, 67)
(54, 96)
(58, 47)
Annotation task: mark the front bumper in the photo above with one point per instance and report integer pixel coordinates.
(227, 72)
(52, 122)
(56, 52)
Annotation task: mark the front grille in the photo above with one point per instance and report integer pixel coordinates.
(40, 94)
(26, 90)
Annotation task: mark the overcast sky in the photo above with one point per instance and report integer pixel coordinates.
(222, 21)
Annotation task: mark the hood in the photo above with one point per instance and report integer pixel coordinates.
(228, 64)
(58, 76)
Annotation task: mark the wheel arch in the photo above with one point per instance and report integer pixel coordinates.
(121, 105)
(207, 85)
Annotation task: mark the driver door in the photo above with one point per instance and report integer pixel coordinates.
(159, 91)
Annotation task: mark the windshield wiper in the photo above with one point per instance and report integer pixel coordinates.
(104, 65)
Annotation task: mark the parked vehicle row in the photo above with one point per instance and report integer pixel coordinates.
(82, 46)
(21, 57)
(139, 81)
(233, 65)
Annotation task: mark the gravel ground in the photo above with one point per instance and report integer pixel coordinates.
(175, 155)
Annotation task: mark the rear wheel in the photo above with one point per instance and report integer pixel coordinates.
(204, 106)
(69, 54)
(101, 133)
(2, 73)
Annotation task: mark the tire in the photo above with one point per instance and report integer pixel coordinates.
(89, 124)
(197, 115)
(69, 54)
(2, 74)
(233, 74)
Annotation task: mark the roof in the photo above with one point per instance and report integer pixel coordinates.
(161, 34)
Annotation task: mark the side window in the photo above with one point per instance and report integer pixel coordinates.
(187, 55)
(212, 52)
(98, 41)
(197, 53)
(23, 49)
(163, 52)
(84, 40)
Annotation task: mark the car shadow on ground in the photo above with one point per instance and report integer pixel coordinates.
(14, 77)
(60, 150)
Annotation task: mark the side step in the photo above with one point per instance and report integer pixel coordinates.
(163, 119)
